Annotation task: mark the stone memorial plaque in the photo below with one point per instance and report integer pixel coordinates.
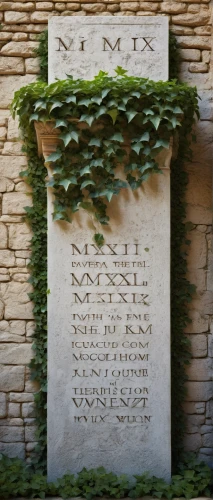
(109, 307)
(81, 47)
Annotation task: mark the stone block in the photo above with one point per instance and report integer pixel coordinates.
(173, 7)
(204, 143)
(3, 133)
(17, 302)
(132, 6)
(13, 450)
(18, 6)
(181, 30)
(12, 148)
(209, 410)
(197, 251)
(14, 410)
(28, 410)
(205, 429)
(12, 166)
(203, 302)
(210, 346)
(32, 65)
(10, 434)
(19, 37)
(23, 49)
(194, 423)
(201, 80)
(14, 203)
(9, 84)
(15, 354)
(13, 132)
(6, 185)
(14, 17)
(30, 328)
(203, 30)
(11, 66)
(194, 42)
(11, 378)
(19, 236)
(200, 67)
(16, 397)
(7, 258)
(192, 442)
(40, 17)
(190, 54)
(194, 408)
(30, 433)
(73, 6)
(199, 192)
(199, 391)
(3, 405)
(207, 440)
(3, 236)
(151, 6)
(198, 345)
(206, 54)
(192, 19)
(44, 6)
(200, 370)
(1, 309)
(198, 277)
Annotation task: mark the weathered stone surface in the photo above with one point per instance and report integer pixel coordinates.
(198, 345)
(3, 133)
(9, 84)
(203, 30)
(13, 450)
(19, 236)
(3, 236)
(44, 6)
(32, 65)
(200, 370)
(197, 252)
(194, 423)
(203, 302)
(206, 54)
(15, 17)
(190, 54)
(28, 410)
(207, 440)
(21, 397)
(17, 302)
(12, 166)
(11, 66)
(14, 354)
(6, 185)
(1, 309)
(201, 80)
(13, 132)
(205, 429)
(30, 433)
(200, 67)
(14, 410)
(143, 62)
(14, 203)
(194, 408)
(40, 17)
(19, 37)
(12, 148)
(7, 258)
(23, 49)
(199, 391)
(11, 378)
(3, 405)
(203, 148)
(18, 6)
(11, 434)
(192, 442)
(194, 42)
(192, 19)
(199, 192)
(173, 7)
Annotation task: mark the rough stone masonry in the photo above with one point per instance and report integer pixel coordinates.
(190, 21)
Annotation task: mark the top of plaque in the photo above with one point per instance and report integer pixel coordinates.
(81, 47)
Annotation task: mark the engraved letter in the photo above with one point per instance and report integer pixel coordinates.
(117, 44)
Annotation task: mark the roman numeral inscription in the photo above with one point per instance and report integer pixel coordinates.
(139, 44)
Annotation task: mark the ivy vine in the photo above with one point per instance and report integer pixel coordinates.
(24, 105)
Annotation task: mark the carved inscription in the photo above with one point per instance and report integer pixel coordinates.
(107, 44)
(111, 353)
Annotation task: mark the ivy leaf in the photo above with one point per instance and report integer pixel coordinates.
(148, 111)
(120, 71)
(156, 121)
(101, 111)
(136, 94)
(56, 104)
(58, 216)
(109, 194)
(87, 154)
(144, 137)
(34, 116)
(117, 137)
(137, 147)
(54, 157)
(131, 114)
(94, 142)
(161, 143)
(177, 110)
(104, 93)
(96, 99)
(99, 239)
(87, 118)
(87, 183)
(87, 206)
(60, 123)
(84, 102)
(85, 170)
(113, 113)
(68, 136)
(71, 98)
(98, 162)
(66, 182)
(40, 104)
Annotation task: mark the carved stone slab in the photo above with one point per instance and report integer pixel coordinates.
(138, 44)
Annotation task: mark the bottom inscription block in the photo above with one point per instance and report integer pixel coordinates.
(109, 338)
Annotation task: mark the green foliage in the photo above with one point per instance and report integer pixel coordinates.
(174, 57)
(18, 479)
(104, 123)
(42, 54)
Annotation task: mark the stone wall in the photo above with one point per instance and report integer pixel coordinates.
(21, 21)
